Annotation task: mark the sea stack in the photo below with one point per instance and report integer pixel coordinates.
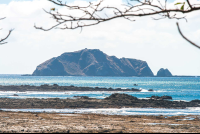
(164, 73)
(92, 62)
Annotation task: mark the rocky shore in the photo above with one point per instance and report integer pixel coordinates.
(113, 101)
(55, 87)
(30, 122)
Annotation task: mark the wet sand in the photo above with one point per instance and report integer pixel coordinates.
(23, 122)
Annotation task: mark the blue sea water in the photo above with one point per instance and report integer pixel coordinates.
(180, 88)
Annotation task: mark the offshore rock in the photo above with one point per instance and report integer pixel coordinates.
(92, 62)
(164, 73)
(150, 90)
(198, 101)
(161, 98)
(117, 96)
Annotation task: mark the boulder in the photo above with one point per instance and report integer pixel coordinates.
(56, 85)
(166, 98)
(136, 90)
(15, 95)
(160, 98)
(82, 97)
(117, 96)
(198, 101)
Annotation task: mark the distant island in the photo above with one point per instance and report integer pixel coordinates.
(164, 73)
(92, 62)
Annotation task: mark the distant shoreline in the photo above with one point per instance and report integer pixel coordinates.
(121, 76)
(55, 87)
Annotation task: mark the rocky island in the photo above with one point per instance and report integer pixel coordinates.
(92, 62)
(164, 73)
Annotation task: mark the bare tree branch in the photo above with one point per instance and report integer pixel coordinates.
(189, 4)
(2, 18)
(2, 41)
(93, 14)
(185, 37)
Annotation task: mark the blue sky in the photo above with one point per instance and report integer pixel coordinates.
(157, 42)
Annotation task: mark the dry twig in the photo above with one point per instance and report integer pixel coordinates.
(186, 37)
(93, 14)
(2, 41)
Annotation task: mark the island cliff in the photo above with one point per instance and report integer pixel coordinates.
(92, 62)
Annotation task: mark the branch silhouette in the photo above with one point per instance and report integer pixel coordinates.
(186, 37)
(2, 41)
(96, 13)
(93, 14)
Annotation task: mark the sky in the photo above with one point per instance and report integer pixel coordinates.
(156, 42)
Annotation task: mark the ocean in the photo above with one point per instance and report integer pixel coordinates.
(180, 88)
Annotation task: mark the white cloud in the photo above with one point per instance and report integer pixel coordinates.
(157, 42)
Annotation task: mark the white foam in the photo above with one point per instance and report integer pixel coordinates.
(34, 92)
(194, 108)
(143, 90)
(8, 92)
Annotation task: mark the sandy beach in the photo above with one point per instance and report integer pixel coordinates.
(24, 122)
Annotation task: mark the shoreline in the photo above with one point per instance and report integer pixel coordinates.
(191, 111)
(38, 122)
(115, 100)
(55, 87)
(101, 76)
(29, 122)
